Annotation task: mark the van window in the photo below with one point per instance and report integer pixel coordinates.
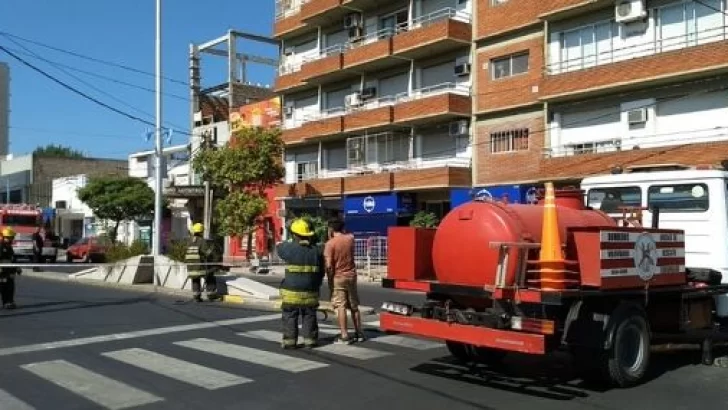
(609, 200)
(679, 198)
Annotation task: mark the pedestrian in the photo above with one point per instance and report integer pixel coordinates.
(301, 285)
(342, 279)
(7, 273)
(200, 257)
(38, 242)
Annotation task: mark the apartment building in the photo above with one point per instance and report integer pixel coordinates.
(570, 88)
(376, 100)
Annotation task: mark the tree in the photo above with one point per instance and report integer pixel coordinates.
(59, 151)
(242, 170)
(118, 199)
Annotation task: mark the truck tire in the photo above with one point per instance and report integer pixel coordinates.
(626, 362)
(459, 351)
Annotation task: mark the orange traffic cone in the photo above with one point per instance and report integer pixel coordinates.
(551, 257)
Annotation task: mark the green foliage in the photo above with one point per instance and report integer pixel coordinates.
(243, 169)
(118, 199)
(177, 250)
(237, 212)
(424, 219)
(120, 251)
(319, 226)
(59, 151)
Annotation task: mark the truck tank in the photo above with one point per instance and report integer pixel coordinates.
(461, 251)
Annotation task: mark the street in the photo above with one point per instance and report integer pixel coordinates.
(73, 346)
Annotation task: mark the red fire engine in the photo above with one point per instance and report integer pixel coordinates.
(23, 218)
(555, 276)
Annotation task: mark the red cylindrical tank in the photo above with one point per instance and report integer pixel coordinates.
(461, 251)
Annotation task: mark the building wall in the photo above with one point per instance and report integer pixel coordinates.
(4, 108)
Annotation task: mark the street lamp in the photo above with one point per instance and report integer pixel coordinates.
(157, 226)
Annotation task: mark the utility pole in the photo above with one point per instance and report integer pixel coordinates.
(157, 227)
(208, 141)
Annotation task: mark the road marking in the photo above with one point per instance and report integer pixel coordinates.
(99, 389)
(394, 340)
(354, 352)
(181, 370)
(41, 347)
(10, 402)
(255, 356)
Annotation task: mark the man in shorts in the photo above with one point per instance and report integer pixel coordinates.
(341, 273)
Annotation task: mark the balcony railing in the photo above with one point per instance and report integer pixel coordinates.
(389, 100)
(387, 32)
(413, 164)
(288, 8)
(648, 48)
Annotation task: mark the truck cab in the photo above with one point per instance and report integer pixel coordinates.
(693, 200)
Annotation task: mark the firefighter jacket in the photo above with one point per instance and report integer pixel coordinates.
(304, 273)
(6, 257)
(200, 253)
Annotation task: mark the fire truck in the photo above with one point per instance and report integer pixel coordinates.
(24, 219)
(556, 276)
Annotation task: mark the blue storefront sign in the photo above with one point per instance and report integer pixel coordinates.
(377, 204)
(513, 194)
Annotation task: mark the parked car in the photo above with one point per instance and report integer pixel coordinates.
(50, 250)
(90, 249)
(23, 246)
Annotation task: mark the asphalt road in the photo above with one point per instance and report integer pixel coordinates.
(73, 346)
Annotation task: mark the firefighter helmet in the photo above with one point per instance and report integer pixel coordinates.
(302, 228)
(8, 233)
(198, 228)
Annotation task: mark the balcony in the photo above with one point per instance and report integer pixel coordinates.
(288, 17)
(323, 12)
(324, 124)
(646, 63)
(289, 79)
(326, 65)
(434, 33)
(434, 103)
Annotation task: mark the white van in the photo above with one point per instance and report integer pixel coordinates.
(694, 200)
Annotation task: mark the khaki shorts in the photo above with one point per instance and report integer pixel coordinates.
(345, 293)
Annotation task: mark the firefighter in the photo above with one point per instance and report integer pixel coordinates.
(7, 274)
(200, 256)
(300, 287)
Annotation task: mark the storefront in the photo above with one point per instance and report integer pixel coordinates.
(372, 215)
(513, 194)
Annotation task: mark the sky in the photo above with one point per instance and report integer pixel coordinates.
(121, 32)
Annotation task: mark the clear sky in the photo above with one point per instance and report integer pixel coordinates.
(121, 32)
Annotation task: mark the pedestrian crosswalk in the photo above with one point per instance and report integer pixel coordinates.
(112, 382)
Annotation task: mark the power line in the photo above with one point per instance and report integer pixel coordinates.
(75, 54)
(81, 93)
(90, 73)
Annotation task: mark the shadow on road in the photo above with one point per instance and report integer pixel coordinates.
(553, 377)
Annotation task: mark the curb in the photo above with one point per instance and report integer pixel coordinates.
(253, 303)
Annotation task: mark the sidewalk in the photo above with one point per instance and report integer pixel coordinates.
(253, 303)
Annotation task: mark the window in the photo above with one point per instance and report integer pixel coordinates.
(20, 220)
(593, 147)
(610, 200)
(506, 141)
(679, 198)
(306, 170)
(509, 66)
(495, 3)
(379, 149)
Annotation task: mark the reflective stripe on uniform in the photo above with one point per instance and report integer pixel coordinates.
(302, 269)
(299, 298)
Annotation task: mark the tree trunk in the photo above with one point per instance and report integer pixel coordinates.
(249, 253)
(114, 231)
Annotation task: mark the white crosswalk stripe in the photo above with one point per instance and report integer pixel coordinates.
(394, 340)
(181, 370)
(10, 402)
(106, 392)
(251, 355)
(354, 352)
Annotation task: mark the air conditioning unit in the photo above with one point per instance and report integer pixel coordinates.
(352, 20)
(289, 51)
(637, 116)
(462, 69)
(369, 92)
(458, 128)
(288, 110)
(353, 100)
(626, 11)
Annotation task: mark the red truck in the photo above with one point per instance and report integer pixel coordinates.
(535, 279)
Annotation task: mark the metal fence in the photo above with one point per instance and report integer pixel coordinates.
(370, 255)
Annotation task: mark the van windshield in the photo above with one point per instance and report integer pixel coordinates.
(610, 200)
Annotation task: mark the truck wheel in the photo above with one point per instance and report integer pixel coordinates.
(486, 355)
(625, 364)
(459, 351)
